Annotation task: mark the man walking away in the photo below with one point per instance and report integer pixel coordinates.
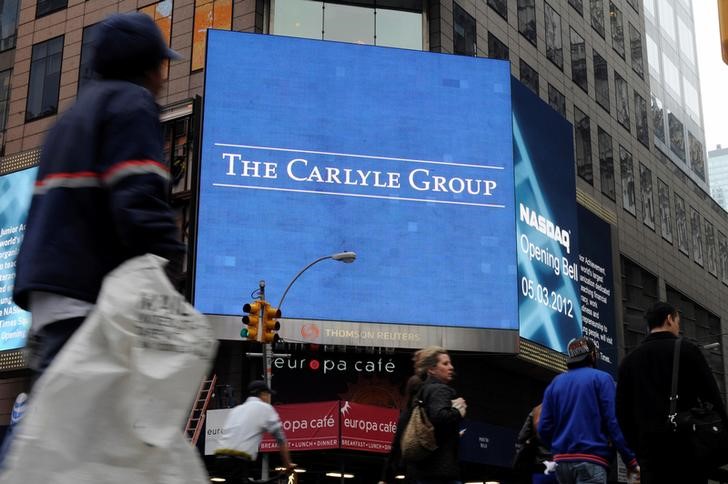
(578, 421)
(243, 431)
(643, 399)
(101, 196)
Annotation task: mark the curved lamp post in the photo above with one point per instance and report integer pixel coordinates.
(346, 257)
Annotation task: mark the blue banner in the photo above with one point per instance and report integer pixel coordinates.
(547, 235)
(16, 190)
(311, 148)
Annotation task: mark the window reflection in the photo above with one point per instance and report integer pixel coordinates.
(496, 48)
(298, 18)
(615, 15)
(601, 81)
(697, 161)
(8, 23)
(527, 19)
(463, 31)
(529, 76)
(578, 6)
(635, 48)
(677, 135)
(500, 6)
(606, 164)
(627, 175)
(640, 114)
(554, 45)
(681, 222)
(557, 100)
(209, 14)
(582, 142)
(578, 60)
(663, 199)
(397, 28)
(348, 23)
(648, 201)
(597, 16)
(4, 97)
(622, 98)
(658, 118)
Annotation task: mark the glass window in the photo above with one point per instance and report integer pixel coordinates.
(621, 90)
(463, 31)
(710, 249)
(496, 48)
(691, 100)
(529, 77)
(601, 81)
(8, 23)
(349, 23)
(653, 57)
(650, 8)
(635, 48)
(4, 97)
(615, 16)
(681, 222)
(209, 14)
(44, 7)
(45, 79)
(697, 236)
(578, 60)
(597, 16)
(640, 114)
(500, 7)
(86, 70)
(697, 161)
(672, 76)
(578, 6)
(161, 12)
(663, 196)
(658, 118)
(527, 19)
(298, 18)
(554, 44)
(723, 254)
(677, 135)
(582, 142)
(627, 174)
(397, 28)
(557, 100)
(686, 41)
(648, 201)
(606, 164)
(667, 19)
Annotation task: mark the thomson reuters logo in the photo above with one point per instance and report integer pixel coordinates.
(310, 332)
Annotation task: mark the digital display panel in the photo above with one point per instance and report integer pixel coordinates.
(311, 148)
(548, 245)
(16, 190)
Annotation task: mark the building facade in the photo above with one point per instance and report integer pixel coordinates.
(638, 132)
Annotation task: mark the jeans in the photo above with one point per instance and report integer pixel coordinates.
(580, 473)
(43, 345)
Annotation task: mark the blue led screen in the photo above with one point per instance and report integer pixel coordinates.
(548, 245)
(310, 148)
(16, 190)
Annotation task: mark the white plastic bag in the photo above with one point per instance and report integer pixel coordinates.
(111, 407)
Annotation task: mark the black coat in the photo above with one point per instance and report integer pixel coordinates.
(643, 392)
(442, 464)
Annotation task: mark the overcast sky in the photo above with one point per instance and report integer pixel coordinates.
(713, 73)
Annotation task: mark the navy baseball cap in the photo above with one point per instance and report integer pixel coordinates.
(127, 45)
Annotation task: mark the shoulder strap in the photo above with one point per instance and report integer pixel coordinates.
(673, 390)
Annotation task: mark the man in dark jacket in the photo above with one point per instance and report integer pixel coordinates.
(101, 196)
(643, 394)
(578, 422)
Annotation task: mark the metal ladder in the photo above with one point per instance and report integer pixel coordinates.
(199, 409)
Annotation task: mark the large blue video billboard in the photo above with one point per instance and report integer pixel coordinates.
(548, 245)
(311, 148)
(16, 190)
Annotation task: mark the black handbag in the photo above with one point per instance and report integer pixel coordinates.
(702, 427)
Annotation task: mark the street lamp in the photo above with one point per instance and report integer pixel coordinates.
(345, 257)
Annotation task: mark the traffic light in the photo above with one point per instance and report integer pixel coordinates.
(270, 323)
(251, 320)
(723, 19)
